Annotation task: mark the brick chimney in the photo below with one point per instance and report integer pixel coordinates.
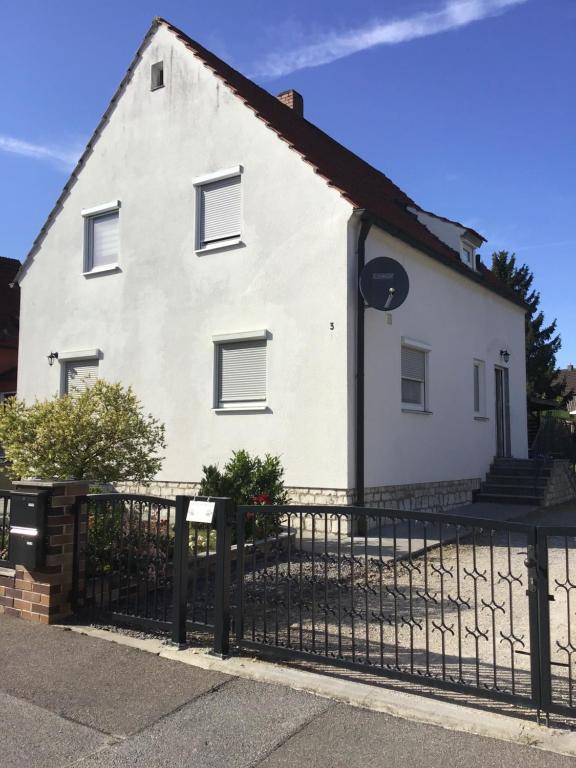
(294, 100)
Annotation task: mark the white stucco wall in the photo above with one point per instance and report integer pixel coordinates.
(154, 320)
(461, 321)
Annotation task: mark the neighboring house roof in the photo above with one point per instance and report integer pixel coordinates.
(9, 302)
(358, 182)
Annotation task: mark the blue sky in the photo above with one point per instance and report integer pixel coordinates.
(468, 105)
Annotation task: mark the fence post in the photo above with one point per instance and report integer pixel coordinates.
(531, 565)
(239, 574)
(48, 585)
(543, 621)
(225, 514)
(180, 574)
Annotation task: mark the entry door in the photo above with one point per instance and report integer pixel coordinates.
(502, 412)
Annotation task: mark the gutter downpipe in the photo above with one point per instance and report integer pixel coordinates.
(365, 226)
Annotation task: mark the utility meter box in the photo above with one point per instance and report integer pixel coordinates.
(27, 527)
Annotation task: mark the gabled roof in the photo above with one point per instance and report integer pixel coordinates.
(362, 185)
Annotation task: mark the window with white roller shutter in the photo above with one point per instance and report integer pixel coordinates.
(102, 241)
(414, 378)
(219, 218)
(241, 373)
(79, 375)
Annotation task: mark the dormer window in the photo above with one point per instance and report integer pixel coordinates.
(468, 255)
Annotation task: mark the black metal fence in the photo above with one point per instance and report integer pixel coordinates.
(462, 603)
(138, 560)
(437, 598)
(4, 526)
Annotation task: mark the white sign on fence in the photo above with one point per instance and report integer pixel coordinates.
(201, 511)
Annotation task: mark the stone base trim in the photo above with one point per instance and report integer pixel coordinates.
(420, 497)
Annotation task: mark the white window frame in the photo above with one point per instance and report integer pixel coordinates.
(198, 183)
(90, 215)
(479, 414)
(419, 346)
(230, 338)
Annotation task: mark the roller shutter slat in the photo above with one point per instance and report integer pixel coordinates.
(105, 240)
(80, 376)
(242, 372)
(220, 210)
(413, 364)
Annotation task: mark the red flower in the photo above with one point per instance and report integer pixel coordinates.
(262, 498)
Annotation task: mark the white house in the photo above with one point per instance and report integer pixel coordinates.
(205, 251)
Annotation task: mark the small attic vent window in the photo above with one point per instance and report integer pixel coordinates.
(157, 75)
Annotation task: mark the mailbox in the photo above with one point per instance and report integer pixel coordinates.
(27, 522)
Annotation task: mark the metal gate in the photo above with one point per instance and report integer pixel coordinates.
(139, 562)
(462, 603)
(556, 579)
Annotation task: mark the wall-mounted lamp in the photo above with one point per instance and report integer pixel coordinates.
(51, 357)
(505, 355)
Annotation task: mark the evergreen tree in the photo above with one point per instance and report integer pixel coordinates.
(542, 341)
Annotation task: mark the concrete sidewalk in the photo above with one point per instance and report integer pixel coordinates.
(69, 699)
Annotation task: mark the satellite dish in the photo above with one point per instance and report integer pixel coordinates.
(384, 284)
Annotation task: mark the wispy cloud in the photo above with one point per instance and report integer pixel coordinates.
(63, 158)
(331, 46)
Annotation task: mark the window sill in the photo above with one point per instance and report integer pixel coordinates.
(105, 270)
(234, 242)
(243, 409)
(417, 410)
(481, 418)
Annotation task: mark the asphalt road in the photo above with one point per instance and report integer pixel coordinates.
(68, 700)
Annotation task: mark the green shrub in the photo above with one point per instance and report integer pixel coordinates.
(101, 435)
(248, 480)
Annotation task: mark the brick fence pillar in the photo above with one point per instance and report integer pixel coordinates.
(44, 595)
